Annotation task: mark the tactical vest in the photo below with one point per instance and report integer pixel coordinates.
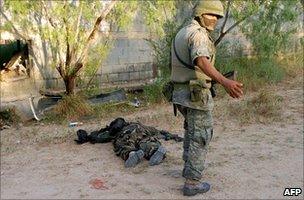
(180, 73)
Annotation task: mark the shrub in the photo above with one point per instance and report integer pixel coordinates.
(9, 116)
(153, 93)
(72, 107)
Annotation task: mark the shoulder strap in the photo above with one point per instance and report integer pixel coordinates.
(180, 60)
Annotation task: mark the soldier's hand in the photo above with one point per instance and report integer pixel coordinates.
(233, 88)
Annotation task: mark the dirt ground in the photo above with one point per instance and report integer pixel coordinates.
(253, 161)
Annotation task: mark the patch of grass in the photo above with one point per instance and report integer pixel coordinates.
(264, 107)
(292, 64)
(254, 73)
(9, 116)
(153, 93)
(72, 107)
(108, 109)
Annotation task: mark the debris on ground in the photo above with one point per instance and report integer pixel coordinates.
(115, 96)
(135, 102)
(73, 124)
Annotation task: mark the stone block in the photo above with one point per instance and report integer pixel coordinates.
(145, 74)
(104, 78)
(104, 69)
(138, 67)
(147, 66)
(113, 69)
(121, 43)
(113, 77)
(124, 76)
(130, 68)
(134, 76)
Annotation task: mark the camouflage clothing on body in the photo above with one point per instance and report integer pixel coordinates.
(136, 136)
(194, 102)
(198, 134)
(127, 137)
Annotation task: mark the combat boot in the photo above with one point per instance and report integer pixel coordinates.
(158, 156)
(134, 158)
(193, 189)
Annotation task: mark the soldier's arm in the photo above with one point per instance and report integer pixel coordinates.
(234, 88)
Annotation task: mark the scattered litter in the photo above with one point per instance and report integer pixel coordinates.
(97, 184)
(135, 102)
(73, 124)
(18, 142)
(2, 173)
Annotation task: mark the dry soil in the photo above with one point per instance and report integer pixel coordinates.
(253, 161)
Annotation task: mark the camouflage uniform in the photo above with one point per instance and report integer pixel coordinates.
(136, 136)
(191, 42)
(128, 137)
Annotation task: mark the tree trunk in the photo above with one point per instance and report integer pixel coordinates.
(69, 84)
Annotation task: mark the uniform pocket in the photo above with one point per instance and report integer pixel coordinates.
(198, 92)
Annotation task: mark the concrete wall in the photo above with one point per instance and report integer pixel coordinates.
(129, 60)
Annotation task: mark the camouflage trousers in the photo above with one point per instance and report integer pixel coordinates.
(198, 133)
(123, 146)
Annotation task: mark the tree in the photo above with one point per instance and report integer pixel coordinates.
(232, 11)
(69, 28)
(271, 28)
(257, 18)
(164, 19)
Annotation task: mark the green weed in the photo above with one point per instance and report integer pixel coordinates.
(254, 73)
(153, 93)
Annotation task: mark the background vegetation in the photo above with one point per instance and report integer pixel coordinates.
(270, 26)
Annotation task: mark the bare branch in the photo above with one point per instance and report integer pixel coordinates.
(228, 30)
(76, 69)
(164, 8)
(68, 56)
(60, 70)
(48, 16)
(15, 31)
(91, 37)
(60, 59)
(226, 16)
(78, 24)
(67, 36)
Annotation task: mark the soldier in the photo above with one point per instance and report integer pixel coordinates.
(132, 141)
(193, 54)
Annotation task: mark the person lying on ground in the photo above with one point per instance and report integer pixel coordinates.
(132, 141)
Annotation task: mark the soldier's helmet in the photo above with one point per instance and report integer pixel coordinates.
(214, 7)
